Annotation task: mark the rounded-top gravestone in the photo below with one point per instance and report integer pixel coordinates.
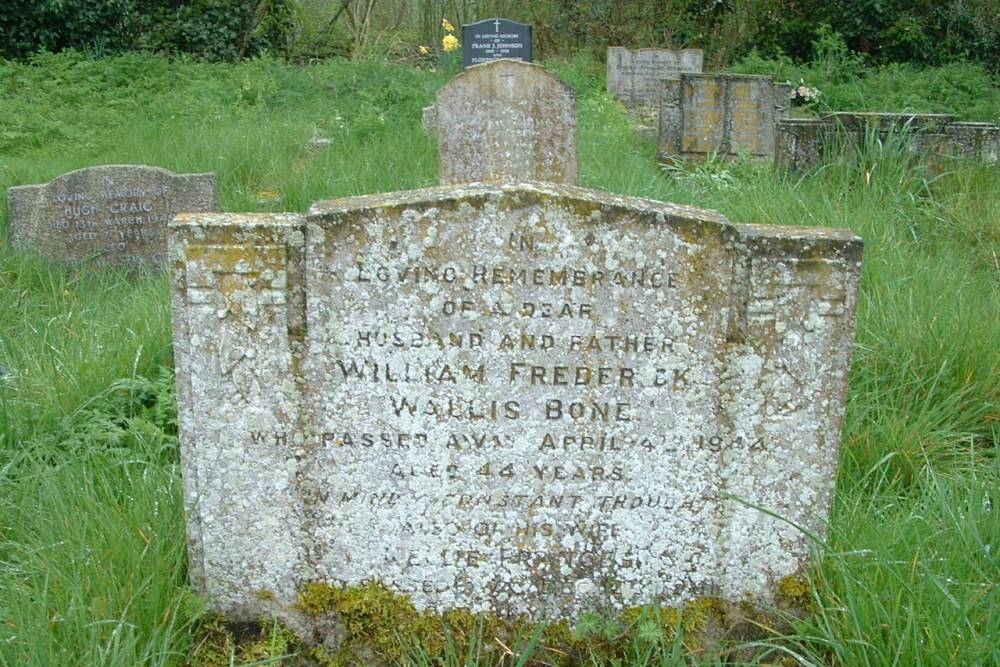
(507, 119)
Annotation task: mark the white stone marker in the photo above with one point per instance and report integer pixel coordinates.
(636, 77)
(523, 399)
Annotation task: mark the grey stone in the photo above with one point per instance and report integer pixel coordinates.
(428, 119)
(934, 138)
(636, 77)
(507, 119)
(114, 214)
(725, 115)
(512, 398)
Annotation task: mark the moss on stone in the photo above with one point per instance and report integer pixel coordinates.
(794, 590)
(371, 625)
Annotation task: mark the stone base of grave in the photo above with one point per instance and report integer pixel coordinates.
(369, 625)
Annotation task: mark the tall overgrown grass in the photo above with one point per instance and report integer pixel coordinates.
(92, 558)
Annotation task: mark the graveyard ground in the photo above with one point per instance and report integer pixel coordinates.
(92, 556)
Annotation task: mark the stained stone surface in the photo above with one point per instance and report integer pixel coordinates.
(720, 114)
(801, 143)
(114, 214)
(507, 119)
(636, 77)
(523, 399)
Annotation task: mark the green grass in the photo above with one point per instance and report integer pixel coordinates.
(92, 558)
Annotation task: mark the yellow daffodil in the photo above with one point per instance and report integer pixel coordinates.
(449, 43)
(424, 50)
(446, 24)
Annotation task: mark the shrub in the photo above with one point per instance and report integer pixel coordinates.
(213, 29)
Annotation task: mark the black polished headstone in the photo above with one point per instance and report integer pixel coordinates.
(493, 39)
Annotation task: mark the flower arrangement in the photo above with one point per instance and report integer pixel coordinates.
(803, 95)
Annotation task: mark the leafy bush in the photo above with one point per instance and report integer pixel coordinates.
(213, 29)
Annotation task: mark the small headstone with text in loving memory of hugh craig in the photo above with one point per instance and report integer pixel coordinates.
(524, 399)
(112, 214)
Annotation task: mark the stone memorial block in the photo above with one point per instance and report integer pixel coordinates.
(493, 39)
(507, 119)
(512, 398)
(801, 143)
(115, 214)
(720, 114)
(636, 77)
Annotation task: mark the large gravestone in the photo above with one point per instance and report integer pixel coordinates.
(114, 214)
(493, 39)
(636, 77)
(521, 399)
(506, 119)
(724, 115)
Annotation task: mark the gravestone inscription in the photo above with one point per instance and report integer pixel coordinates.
(636, 77)
(506, 119)
(114, 214)
(524, 399)
(493, 39)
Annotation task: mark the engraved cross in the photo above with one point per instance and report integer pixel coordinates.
(496, 24)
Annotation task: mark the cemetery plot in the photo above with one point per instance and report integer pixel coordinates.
(521, 399)
(802, 142)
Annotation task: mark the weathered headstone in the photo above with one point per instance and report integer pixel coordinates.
(801, 143)
(115, 214)
(523, 399)
(720, 114)
(636, 77)
(507, 119)
(493, 39)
